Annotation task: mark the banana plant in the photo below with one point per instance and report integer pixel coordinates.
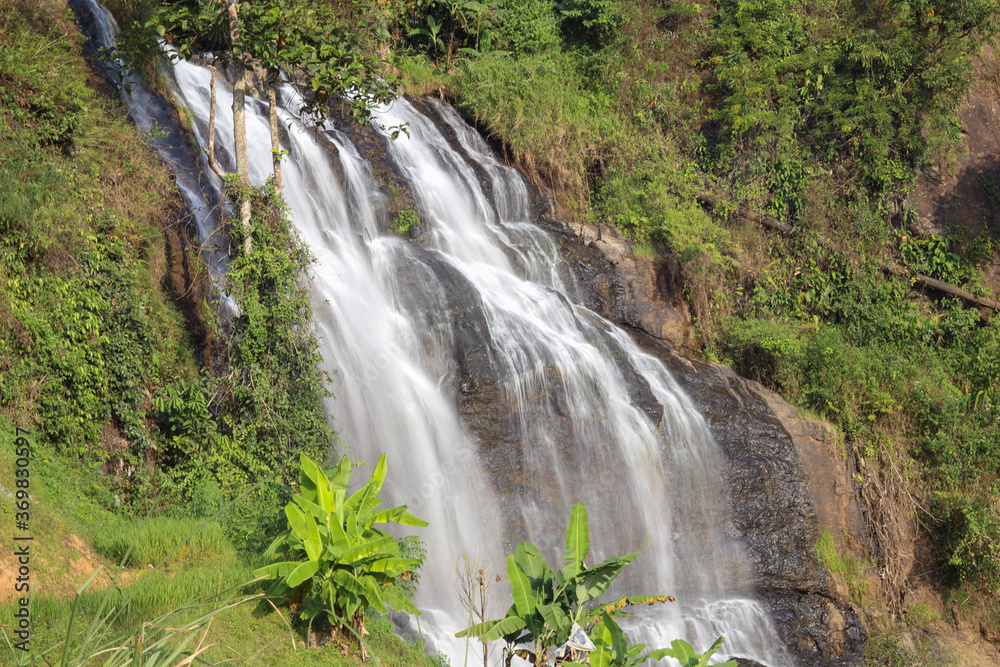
(431, 32)
(548, 603)
(333, 560)
(611, 649)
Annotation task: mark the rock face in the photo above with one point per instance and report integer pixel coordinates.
(785, 478)
(635, 292)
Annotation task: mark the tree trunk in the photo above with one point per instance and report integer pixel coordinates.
(240, 123)
(210, 151)
(275, 146)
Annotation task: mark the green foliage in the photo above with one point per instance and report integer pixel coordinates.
(549, 607)
(868, 82)
(547, 118)
(96, 338)
(826, 553)
(87, 328)
(38, 90)
(125, 630)
(968, 544)
(272, 397)
(683, 653)
(449, 27)
(990, 187)
(307, 38)
(613, 650)
(855, 572)
(404, 222)
(890, 648)
(181, 410)
(921, 614)
(412, 547)
(333, 557)
(593, 21)
(934, 256)
(765, 350)
(529, 26)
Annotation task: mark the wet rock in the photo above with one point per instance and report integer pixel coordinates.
(636, 292)
(784, 477)
(747, 662)
(784, 486)
(374, 147)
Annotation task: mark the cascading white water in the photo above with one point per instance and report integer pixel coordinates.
(594, 419)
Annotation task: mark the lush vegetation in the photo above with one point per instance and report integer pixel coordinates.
(152, 419)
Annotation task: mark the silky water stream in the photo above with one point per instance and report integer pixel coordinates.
(477, 310)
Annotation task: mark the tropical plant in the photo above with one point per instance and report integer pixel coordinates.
(611, 649)
(432, 31)
(334, 562)
(549, 607)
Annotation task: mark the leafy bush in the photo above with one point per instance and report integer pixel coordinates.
(38, 87)
(768, 351)
(405, 221)
(272, 405)
(528, 26)
(593, 21)
(797, 86)
(549, 609)
(449, 27)
(968, 543)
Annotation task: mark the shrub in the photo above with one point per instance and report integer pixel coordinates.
(271, 406)
(593, 21)
(529, 26)
(768, 351)
(968, 538)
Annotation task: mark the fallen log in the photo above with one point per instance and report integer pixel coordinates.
(934, 283)
(744, 212)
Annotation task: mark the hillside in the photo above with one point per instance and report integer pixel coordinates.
(868, 130)
(105, 306)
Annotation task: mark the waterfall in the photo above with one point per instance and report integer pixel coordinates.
(420, 334)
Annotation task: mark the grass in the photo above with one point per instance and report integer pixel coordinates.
(148, 541)
(190, 581)
(148, 595)
(892, 649)
(921, 614)
(252, 633)
(543, 112)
